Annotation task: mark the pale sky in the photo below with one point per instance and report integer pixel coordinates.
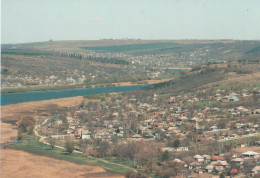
(42, 20)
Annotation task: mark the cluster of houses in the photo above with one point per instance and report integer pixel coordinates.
(152, 119)
(219, 164)
(156, 119)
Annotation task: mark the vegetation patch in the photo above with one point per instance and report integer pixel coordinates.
(32, 145)
(122, 48)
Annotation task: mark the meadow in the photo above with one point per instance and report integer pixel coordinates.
(123, 48)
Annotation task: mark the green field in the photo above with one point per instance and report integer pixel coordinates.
(123, 48)
(27, 53)
(34, 146)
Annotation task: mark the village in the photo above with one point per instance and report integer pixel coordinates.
(198, 133)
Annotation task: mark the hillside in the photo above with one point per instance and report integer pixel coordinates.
(242, 74)
(77, 64)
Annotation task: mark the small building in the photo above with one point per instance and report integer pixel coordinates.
(255, 171)
(198, 158)
(250, 154)
(57, 121)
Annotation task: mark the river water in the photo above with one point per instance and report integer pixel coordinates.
(14, 98)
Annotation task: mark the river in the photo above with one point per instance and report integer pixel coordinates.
(14, 98)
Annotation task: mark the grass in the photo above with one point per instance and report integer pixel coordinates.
(40, 88)
(34, 146)
(129, 163)
(134, 47)
(244, 140)
(27, 53)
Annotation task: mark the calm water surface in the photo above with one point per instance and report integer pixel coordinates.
(14, 98)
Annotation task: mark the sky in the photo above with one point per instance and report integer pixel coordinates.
(42, 20)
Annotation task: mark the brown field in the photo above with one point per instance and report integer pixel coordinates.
(16, 163)
(68, 45)
(7, 132)
(16, 111)
(245, 149)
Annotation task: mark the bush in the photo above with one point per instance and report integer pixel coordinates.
(70, 146)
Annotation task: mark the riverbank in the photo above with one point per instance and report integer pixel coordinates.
(76, 86)
(11, 113)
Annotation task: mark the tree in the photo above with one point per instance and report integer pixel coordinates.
(103, 148)
(20, 134)
(165, 156)
(222, 175)
(26, 124)
(69, 146)
(176, 143)
(52, 142)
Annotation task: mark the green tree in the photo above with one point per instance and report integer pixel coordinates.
(69, 146)
(52, 142)
(165, 156)
(20, 134)
(176, 143)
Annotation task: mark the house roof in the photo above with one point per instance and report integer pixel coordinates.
(238, 160)
(233, 171)
(198, 157)
(250, 153)
(209, 167)
(256, 169)
(215, 158)
(57, 119)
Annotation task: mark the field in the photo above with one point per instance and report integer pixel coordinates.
(123, 48)
(12, 113)
(22, 164)
(32, 145)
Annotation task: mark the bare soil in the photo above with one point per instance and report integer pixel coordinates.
(245, 149)
(16, 163)
(7, 132)
(36, 108)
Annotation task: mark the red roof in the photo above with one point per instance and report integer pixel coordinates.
(151, 117)
(76, 135)
(233, 171)
(168, 117)
(215, 158)
(158, 124)
(143, 140)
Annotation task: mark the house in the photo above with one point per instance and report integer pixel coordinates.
(250, 154)
(234, 172)
(196, 165)
(255, 171)
(182, 149)
(209, 168)
(85, 134)
(169, 149)
(198, 158)
(57, 121)
(214, 128)
(216, 158)
(206, 158)
(136, 136)
(238, 161)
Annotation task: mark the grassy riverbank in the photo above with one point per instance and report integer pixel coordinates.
(79, 86)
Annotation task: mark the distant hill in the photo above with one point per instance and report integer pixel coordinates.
(243, 73)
